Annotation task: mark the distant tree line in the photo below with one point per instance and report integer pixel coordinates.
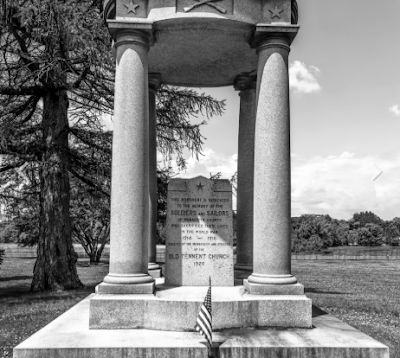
(315, 233)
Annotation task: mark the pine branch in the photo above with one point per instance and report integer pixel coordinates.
(22, 91)
(88, 182)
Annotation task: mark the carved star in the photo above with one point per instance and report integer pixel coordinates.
(131, 7)
(275, 13)
(200, 186)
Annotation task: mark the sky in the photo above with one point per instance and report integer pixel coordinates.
(345, 112)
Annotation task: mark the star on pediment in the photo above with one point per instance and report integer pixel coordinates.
(200, 186)
(275, 13)
(131, 7)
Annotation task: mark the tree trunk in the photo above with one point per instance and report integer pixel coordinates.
(55, 267)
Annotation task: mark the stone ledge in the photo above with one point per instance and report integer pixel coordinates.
(111, 288)
(259, 289)
(69, 336)
(233, 307)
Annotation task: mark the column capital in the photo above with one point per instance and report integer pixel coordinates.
(132, 36)
(273, 35)
(246, 81)
(154, 81)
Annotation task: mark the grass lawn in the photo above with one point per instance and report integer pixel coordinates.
(23, 313)
(365, 294)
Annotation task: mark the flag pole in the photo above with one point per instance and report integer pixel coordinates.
(210, 355)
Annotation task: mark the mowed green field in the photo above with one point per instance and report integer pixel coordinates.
(23, 313)
(364, 294)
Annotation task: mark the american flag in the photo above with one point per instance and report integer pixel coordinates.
(204, 318)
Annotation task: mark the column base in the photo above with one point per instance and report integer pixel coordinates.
(243, 267)
(153, 266)
(127, 284)
(129, 279)
(273, 289)
(115, 289)
(272, 279)
(154, 270)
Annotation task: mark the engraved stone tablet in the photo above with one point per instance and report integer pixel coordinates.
(199, 233)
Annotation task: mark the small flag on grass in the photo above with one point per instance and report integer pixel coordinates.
(204, 318)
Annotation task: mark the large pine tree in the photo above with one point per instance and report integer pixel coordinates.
(56, 78)
(51, 62)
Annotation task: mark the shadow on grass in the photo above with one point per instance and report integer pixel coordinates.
(18, 295)
(314, 290)
(16, 278)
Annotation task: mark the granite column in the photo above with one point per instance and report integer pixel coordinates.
(130, 169)
(246, 84)
(154, 84)
(272, 190)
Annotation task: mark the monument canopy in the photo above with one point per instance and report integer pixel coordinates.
(201, 43)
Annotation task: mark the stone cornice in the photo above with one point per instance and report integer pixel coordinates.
(246, 81)
(145, 28)
(264, 31)
(154, 81)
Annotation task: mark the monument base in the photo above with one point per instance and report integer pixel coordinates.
(176, 308)
(69, 336)
(155, 273)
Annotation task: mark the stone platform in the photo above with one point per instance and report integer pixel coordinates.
(175, 309)
(69, 336)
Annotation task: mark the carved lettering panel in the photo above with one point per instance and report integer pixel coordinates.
(199, 233)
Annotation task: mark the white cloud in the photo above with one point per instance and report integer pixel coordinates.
(342, 185)
(302, 79)
(395, 110)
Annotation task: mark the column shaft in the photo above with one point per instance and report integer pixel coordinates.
(272, 190)
(245, 176)
(154, 83)
(130, 171)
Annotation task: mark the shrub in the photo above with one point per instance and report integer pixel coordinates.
(314, 243)
(9, 233)
(309, 226)
(394, 241)
(370, 235)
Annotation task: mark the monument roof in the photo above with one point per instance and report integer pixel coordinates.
(202, 43)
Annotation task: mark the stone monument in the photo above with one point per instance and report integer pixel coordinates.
(201, 43)
(199, 233)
